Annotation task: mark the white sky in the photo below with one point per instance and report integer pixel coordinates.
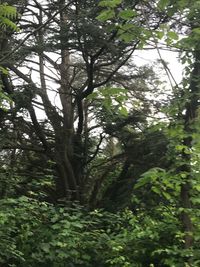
(150, 56)
(140, 58)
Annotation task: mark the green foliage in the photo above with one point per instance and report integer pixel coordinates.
(4, 100)
(106, 15)
(128, 26)
(127, 14)
(110, 3)
(162, 4)
(39, 234)
(112, 99)
(149, 233)
(128, 31)
(7, 15)
(165, 184)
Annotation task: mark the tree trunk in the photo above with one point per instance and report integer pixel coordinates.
(189, 127)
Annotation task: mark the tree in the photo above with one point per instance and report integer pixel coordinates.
(187, 114)
(75, 53)
(7, 15)
(187, 110)
(84, 126)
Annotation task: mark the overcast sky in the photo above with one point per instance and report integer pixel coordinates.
(150, 57)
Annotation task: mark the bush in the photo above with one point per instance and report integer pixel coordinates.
(40, 234)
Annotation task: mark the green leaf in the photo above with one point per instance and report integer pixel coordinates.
(8, 13)
(162, 4)
(142, 181)
(150, 176)
(45, 247)
(156, 190)
(127, 26)
(3, 70)
(107, 103)
(197, 187)
(106, 15)
(127, 14)
(110, 3)
(166, 195)
(196, 30)
(113, 91)
(5, 22)
(172, 35)
(123, 111)
(160, 34)
(127, 37)
(92, 96)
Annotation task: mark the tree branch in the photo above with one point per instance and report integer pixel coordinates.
(12, 52)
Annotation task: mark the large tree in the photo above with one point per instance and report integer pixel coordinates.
(65, 52)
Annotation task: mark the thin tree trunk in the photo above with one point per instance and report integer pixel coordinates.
(68, 138)
(189, 127)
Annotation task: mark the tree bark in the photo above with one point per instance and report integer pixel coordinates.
(189, 127)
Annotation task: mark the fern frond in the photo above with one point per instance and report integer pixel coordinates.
(7, 11)
(7, 14)
(5, 22)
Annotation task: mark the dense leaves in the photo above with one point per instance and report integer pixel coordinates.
(39, 234)
(99, 160)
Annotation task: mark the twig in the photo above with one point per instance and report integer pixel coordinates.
(12, 52)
